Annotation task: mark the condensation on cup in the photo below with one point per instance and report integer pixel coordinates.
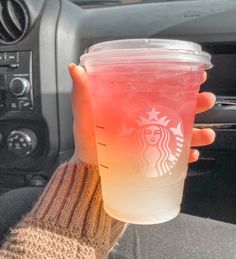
(143, 94)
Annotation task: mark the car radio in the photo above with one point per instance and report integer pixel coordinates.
(16, 90)
(23, 132)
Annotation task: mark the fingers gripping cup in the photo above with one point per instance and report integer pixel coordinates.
(144, 94)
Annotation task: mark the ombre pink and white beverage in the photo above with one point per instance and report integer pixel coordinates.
(144, 95)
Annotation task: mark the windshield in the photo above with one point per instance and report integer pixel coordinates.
(103, 3)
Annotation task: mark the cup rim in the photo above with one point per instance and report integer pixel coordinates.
(146, 50)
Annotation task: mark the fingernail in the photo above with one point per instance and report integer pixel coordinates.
(71, 65)
(211, 131)
(204, 77)
(196, 153)
(213, 97)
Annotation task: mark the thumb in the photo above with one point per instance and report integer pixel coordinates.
(77, 74)
(85, 144)
(80, 95)
(79, 78)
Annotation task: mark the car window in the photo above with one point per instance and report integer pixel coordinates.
(105, 3)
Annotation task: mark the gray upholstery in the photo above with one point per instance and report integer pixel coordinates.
(185, 237)
(14, 204)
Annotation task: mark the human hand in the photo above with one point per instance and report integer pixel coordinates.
(84, 136)
(85, 146)
(202, 137)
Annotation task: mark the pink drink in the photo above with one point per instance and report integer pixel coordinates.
(143, 114)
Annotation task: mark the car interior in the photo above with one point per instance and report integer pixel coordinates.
(39, 38)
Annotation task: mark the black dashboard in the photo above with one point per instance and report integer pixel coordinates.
(35, 111)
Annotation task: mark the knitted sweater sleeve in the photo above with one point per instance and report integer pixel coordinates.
(67, 222)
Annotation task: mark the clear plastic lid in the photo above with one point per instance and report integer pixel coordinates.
(146, 50)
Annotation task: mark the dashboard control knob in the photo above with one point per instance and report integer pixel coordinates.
(22, 142)
(19, 86)
(38, 180)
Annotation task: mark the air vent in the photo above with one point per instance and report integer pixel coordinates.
(13, 21)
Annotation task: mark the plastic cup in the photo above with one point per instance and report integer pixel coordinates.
(143, 94)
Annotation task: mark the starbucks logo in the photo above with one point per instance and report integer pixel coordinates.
(158, 140)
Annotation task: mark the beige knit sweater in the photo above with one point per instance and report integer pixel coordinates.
(67, 222)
